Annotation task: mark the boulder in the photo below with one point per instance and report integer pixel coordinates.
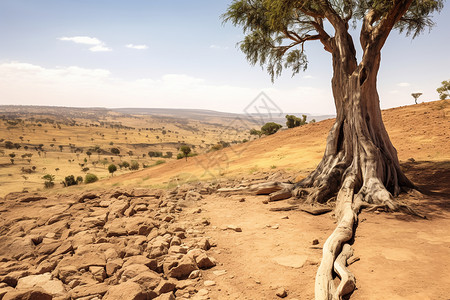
(204, 261)
(183, 268)
(32, 294)
(89, 290)
(132, 271)
(45, 281)
(125, 291)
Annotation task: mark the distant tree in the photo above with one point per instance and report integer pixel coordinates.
(185, 150)
(9, 145)
(90, 178)
(444, 90)
(49, 178)
(416, 96)
(89, 153)
(79, 180)
(293, 121)
(69, 181)
(85, 169)
(134, 165)
(169, 154)
(130, 153)
(61, 148)
(270, 128)
(115, 151)
(112, 168)
(17, 146)
(125, 164)
(255, 132)
(151, 154)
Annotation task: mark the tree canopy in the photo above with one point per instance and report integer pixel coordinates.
(276, 30)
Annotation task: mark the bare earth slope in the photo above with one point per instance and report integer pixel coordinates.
(258, 252)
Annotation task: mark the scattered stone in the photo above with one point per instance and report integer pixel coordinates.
(209, 283)
(315, 242)
(166, 296)
(89, 290)
(293, 261)
(45, 281)
(194, 274)
(165, 286)
(276, 226)
(242, 200)
(285, 217)
(281, 292)
(204, 261)
(183, 268)
(220, 272)
(234, 228)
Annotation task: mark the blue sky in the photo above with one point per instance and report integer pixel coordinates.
(177, 54)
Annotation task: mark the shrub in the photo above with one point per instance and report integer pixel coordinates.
(69, 181)
(90, 178)
(49, 178)
(115, 151)
(270, 128)
(112, 168)
(134, 165)
(79, 180)
(159, 162)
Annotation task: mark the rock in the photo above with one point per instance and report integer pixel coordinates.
(98, 273)
(32, 294)
(165, 286)
(167, 296)
(138, 259)
(125, 291)
(84, 260)
(87, 196)
(234, 228)
(194, 274)
(132, 271)
(89, 290)
(64, 248)
(315, 242)
(116, 227)
(281, 292)
(209, 283)
(48, 248)
(113, 265)
(285, 217)
(220, 272)
(294, 261)
(204, 244)
(5, 289)
(276, 226)
(205, 262)
(183, 268)
(51, 286)
(66, 273)
(149, 280)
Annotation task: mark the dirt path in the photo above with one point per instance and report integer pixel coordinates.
(401, 257)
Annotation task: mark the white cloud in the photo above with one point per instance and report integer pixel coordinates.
(217, 47)
(137, 47)
(98, 46)
(308, 77)
(403, 84)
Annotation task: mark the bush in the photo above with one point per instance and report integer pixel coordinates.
(125, 164)
(134, 165)
(293, 121)
(270, 128)
(49, 178)
(159, 162)
(79, 180)
(115, 151)
(90, 178)
(112, 168)
(69, 181)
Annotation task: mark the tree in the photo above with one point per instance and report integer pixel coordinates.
(90, 178)
(444, 90)
(255, 132)
(89, 153)
(416, 96)
(185, 150)
(270, 128)
(49, 178)
(115, 151)
(112, 168)
(360, 165)
(293, 121)
(134, 165)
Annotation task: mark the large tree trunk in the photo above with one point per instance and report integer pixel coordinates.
(360, 165)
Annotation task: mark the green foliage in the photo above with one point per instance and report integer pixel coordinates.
(168, 154)
(69, 181)
(293, 121)
(112, 168)
(134, 165)
(49, 180)
(79, 180)
(276, 30)
(185, 150)
(124, 164)
(9, 145)
(90, 178)
(270, 128)
(255, 132)
(444, 90)
(115, 151)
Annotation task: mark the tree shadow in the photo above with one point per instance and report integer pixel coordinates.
(433, 182)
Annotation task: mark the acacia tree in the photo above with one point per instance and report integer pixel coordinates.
(360, 164)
